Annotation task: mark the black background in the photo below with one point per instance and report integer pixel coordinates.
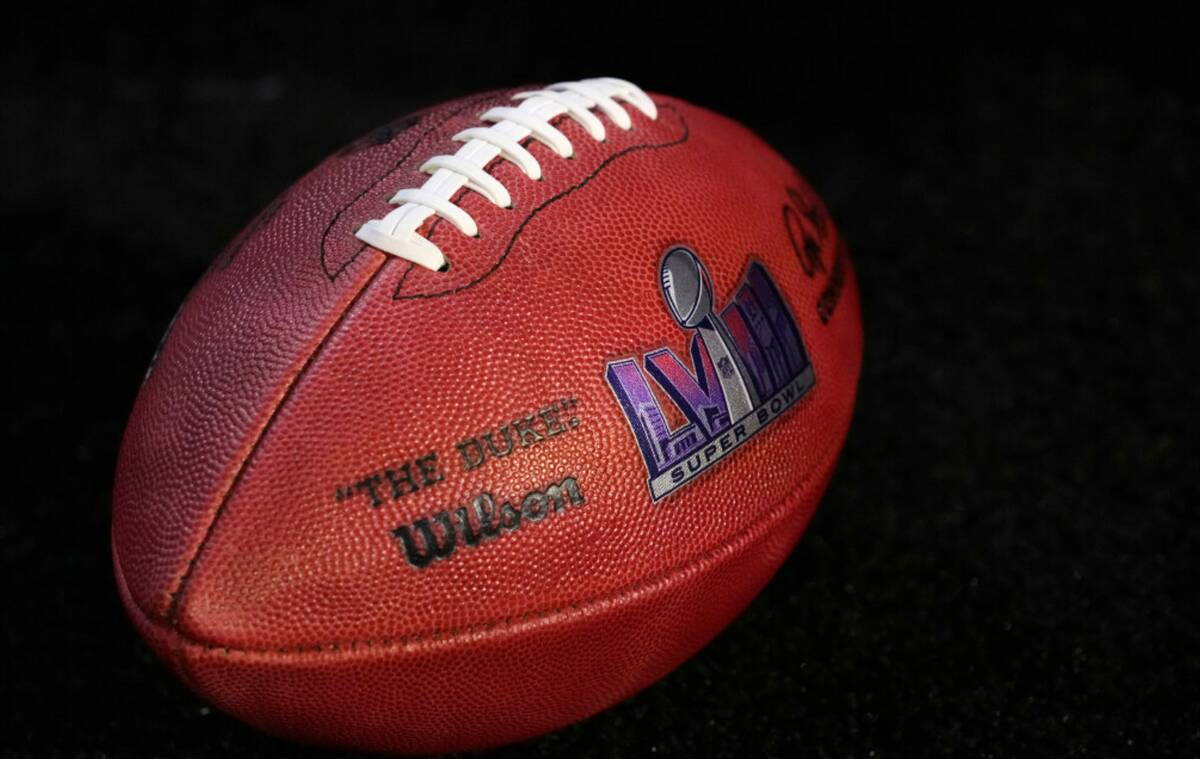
(1005, 564)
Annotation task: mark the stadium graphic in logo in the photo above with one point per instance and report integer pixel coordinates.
(748, 366)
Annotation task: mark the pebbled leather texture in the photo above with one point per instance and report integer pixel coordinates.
(256, 562)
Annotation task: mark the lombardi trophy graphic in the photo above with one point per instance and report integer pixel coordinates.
(687, 290)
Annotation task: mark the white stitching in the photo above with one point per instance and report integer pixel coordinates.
(396, 233)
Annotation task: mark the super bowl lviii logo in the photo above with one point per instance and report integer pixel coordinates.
(748, 365)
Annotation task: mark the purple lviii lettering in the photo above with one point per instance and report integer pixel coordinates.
(748, 365)
(699, 396)
(660, 445)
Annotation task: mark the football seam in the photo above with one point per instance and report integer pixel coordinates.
(243, 465)
(176, 594)
(515, 623)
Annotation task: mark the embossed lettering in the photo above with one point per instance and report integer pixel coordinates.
(430, 474)
(491, 444)
(471, 452)
(435, 547)
(435, 537)
(525, 431)
(370, 484)
(402, 482)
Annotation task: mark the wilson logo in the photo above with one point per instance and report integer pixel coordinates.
(748, 365)
(484, 520)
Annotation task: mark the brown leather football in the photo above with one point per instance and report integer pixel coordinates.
(489, 421)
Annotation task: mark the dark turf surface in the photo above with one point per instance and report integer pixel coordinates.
(1006, 563)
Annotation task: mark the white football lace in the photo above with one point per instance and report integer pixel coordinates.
(396, 233)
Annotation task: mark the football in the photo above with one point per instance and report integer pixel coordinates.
(489, 421)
